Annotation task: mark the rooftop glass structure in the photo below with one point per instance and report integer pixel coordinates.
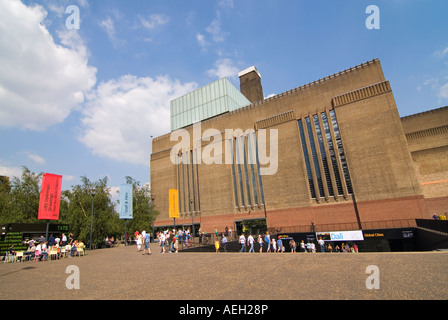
(215, 98)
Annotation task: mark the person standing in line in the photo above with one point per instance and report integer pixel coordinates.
(313, 247)
(322, 244)
(302, 246)
(176, 242)
(292, 245)
(274, 245)
(243, 243)
(279, 245)
(224, 242)
(267, 239)
(260, 242)
(250, 242)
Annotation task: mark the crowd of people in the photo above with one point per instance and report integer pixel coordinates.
(169, 241)
(268, 244)
(39, 249)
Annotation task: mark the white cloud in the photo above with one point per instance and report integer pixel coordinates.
(214, 29)
(10, 171)
(154, 20)
(108, 26)
(121, 115)
(201, 40)
(444, 91)
(223, 68)
(226, 3)
(35, 158)
(41, 82)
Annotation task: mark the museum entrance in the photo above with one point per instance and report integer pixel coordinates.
(252, 226)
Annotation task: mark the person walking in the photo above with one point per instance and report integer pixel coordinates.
(217, 245)
(260, 242)
(279, 245)
(250, 242)
(267, 239)
(243, 243)
(224, 242)
(147, 250)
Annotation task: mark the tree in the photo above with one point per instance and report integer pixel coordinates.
(143, 208)
(76, 211)
(21, 203)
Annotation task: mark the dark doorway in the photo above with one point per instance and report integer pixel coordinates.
(254, 227)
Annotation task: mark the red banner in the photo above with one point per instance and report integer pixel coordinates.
(50, 197)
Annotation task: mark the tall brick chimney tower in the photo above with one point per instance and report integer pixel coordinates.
(250, 84)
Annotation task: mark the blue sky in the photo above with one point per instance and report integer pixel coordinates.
(85, 101)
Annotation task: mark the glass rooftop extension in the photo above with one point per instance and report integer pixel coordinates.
(215, 98)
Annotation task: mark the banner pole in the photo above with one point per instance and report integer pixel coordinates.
(125, 222)
(46, 232)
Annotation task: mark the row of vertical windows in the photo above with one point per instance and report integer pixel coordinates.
(326, 167)
(188, 182)
(247, 182)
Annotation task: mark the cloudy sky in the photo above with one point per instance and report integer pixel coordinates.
(83, 97)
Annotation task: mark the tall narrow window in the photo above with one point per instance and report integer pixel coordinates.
(246, 173)
(334, 162)
(341, 152)
(183, 181)
(315, 160)
(193, 192)
(307, 160)
(235, 186)
(260, 180)
(320, 141)
(251, 153)
(324, 155)
(239, 160)
(188, 182)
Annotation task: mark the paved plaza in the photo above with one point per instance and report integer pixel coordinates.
(123, 273)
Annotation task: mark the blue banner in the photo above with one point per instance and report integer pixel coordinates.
(126, 201)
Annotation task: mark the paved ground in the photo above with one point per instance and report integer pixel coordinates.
(122, 273)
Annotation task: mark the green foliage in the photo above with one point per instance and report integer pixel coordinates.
(142, 208)
(19, 203)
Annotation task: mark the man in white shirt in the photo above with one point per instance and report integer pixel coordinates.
(322, 244)
(250, 242)
(243, 243)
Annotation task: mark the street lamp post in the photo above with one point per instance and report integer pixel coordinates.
(92, 193)
(152, 214)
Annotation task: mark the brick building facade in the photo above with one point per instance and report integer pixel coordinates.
(337, 154)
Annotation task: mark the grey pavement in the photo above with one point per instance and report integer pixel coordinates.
(122, 273)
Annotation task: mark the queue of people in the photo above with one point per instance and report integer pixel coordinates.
(267, 243)
(169, 241)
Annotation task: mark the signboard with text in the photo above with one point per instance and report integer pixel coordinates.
(174, 204)
(126, 201)
(50, 197)
(341, 235)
